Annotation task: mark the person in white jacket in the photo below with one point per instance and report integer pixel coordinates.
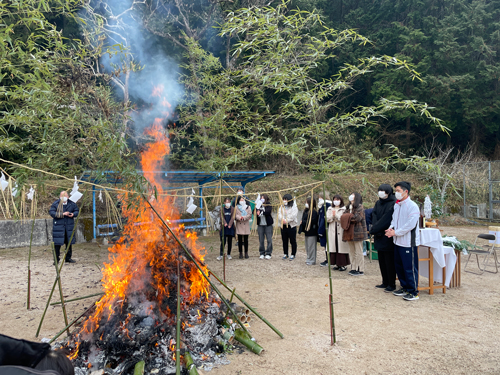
(405, 233)
(287, 220)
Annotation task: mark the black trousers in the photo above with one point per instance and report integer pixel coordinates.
(229, 240)
(289, 234)
(243, 241)
(387, 267)
(69, 250)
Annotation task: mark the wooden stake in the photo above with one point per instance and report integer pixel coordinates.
(29, 263)
(330, 298)
(178, 328)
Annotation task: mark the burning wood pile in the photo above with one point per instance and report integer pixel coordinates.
(160, 309)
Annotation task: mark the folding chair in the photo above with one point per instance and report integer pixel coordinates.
(487, 250)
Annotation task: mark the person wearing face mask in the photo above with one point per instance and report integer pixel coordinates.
(323, 204)
(339, 250)
(240, 192)
(265, 227)
(359, 235)
(63, 211)
(405, 233)
(287, 219)
(309, 226)
(381, 220)
(227, 230)
(243, 216)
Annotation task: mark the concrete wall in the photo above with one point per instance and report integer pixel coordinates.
(16, 234)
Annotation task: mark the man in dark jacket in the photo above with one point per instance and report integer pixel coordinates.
(381, 220)
(63, 211)
(21, 357)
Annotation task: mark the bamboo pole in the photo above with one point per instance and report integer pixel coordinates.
(70, 324)
(190, 366)
(58, 277)
(178, 328)
(77, 299)
(242, 338)
(55, 281)
(188, 253)
(139, 368)
(247, 305)
(330, 297)
(29, 264)
(222, 225)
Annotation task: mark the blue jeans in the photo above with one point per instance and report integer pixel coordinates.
(406, 263)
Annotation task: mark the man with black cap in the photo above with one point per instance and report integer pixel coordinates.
(405, 233)
(381, 221)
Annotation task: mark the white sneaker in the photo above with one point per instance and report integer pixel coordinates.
(229, 257)
(261, 257)
(268, 256)
(292, 257)
(219, 257)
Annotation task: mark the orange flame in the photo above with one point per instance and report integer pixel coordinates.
(142, 256)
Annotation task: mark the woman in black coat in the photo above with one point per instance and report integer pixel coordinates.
(381, 220)
(64, 212)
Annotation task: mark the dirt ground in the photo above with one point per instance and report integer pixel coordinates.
(377, 333)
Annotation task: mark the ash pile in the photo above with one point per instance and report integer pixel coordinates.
(119, 333)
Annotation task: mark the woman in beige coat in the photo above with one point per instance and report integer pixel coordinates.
(339, 250)
(243, 216)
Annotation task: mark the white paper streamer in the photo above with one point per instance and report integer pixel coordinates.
(258, 203)
(191, 206)
(14, 190)
(3, 182)
(427, 208)
(30, 193)
(100, 196)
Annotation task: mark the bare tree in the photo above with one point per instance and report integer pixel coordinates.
(449, 161)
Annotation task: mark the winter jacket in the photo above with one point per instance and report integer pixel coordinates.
(322, 224)
(266, 211)
(381, 221)
(14, 352)
(313, 227)
(405, 223)
(18, 370)
(348, 226)
(229, 220)
(243, 222)
(359, 221)
(63, 224)
(335, 229)
(289, 214)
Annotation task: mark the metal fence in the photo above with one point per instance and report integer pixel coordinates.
(481, 190)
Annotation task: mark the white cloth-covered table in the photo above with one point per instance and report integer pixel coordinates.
(444, 256)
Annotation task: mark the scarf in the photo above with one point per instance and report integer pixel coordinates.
(242, 209)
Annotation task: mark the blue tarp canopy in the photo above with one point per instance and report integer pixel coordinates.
(187, 178)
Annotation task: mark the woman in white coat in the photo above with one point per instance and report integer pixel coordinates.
(339, 250)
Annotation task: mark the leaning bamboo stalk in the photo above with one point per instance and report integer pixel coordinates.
(190, 366)
(77, 299)
(240, 336)
(195, 262)
(58, 276)
(70, 324)
(29, 264)
(330, 298)
(248, 306)
(178, 328)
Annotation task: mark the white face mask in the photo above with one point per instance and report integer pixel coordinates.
(336, 203)
(262, 200)
(351, 198)
(242, 203)
(307, 206)
(399, 195)
(321, 201)
(64, 199)
(285, 202)
(228, 205)
(240, 192)
(382, 194)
